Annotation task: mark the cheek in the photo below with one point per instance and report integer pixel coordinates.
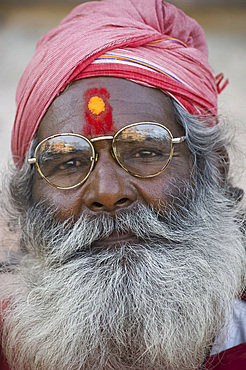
(155, 192)
(165, 190)
(65, 203)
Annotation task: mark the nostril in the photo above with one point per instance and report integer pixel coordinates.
(122, 201)
(97, 205)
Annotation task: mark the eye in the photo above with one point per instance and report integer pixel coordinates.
(71, 164)
(146, 154)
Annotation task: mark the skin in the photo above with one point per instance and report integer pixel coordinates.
(109, 187)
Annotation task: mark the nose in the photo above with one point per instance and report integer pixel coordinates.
(108, 187)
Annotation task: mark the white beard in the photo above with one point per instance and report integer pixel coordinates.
(157, 304)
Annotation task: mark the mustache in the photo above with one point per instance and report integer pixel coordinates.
(75, 240)
(172, 228)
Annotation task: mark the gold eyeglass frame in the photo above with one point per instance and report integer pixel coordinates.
(94, 157)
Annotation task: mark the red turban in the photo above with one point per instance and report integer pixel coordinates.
(147, 41)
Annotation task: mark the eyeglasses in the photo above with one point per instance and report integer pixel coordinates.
(143, 149)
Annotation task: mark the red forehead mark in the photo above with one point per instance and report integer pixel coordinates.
(98, 112)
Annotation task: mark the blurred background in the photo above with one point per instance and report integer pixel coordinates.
(23, 22)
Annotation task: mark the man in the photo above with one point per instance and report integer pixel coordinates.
(132, 238)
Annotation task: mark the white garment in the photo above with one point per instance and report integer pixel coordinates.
(236, 328)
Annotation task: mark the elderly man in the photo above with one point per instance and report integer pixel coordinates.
(132, 243)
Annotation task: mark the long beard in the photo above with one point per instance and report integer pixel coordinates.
(155, 304)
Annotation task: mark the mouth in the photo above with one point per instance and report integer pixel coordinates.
(115, 240)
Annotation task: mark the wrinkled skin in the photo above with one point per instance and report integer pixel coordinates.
(109, 187)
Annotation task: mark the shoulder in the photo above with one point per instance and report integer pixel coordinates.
(230, 359)
(3, 363)
(4, 278)
(233, 354)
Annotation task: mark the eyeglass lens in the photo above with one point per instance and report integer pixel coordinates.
(65, 160)
(143, 150)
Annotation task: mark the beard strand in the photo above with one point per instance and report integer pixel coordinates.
(154, 304)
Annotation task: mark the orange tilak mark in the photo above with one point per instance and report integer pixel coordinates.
(98, 112)
(96, 105)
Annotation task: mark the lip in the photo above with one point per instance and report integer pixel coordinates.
(116, 239)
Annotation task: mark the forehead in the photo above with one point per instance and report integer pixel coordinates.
(102, 105)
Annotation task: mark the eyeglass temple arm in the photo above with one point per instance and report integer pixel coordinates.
(177, 140)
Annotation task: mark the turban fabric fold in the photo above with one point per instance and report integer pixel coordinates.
(147, 41)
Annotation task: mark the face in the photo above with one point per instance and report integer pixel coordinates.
(101, 106)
